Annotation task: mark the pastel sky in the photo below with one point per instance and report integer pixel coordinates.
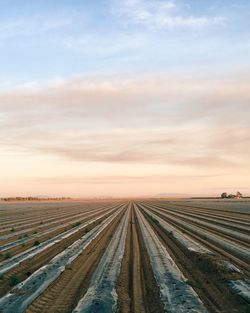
(124, 97)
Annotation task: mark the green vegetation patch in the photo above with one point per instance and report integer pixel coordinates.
(7, 256)
(76, 224)
(14, 280)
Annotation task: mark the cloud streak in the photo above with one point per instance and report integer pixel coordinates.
(147, 90)
(181, 122)
(160, 15)
(123, 179)
(37, 25)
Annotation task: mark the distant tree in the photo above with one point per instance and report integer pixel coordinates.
(224, 195)
(238, 195)
(231, 196)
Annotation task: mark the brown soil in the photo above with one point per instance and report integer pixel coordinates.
(218, 232)
(150, 290)
(20, 248)
(27, 267)
(42, 225)
(237, 216)
(136, 286)
(63, 295)
(244, 266)
(124, 282)
(22, 215)
(204, 275)
(30, 214)
(241, 226)
(129, 285)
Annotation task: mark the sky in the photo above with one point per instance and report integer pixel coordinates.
(124, 97)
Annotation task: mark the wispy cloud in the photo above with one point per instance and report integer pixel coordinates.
(183, 122)
(160, 14)
(142, 88)
(118, 179)
(90, 43)
(34, 25)
(29, 26)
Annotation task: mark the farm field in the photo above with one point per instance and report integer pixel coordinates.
(142, 256)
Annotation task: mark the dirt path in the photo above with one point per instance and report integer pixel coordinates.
(129, 286)
(150, 291)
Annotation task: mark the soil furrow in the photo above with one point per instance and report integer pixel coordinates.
(63, 295)
(150, 290)
(129, 286)
(203, 274)
(214, 247)
(26, 268)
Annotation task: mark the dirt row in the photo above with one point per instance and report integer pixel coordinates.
(63, 295)
(129, 286)
(39, 239)
(136, 286)
(218, 232)
(204, 274)
(237, 216)
(241, 263)
(27, 267)
(44, 212)
(32, 213)
(230, 223)
(43, 225)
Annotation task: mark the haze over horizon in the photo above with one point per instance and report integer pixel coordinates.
(124, 98)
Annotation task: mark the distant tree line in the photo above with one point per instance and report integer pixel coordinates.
(238, 195)
(32, 198)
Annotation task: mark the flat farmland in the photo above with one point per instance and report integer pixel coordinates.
(143, 256)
